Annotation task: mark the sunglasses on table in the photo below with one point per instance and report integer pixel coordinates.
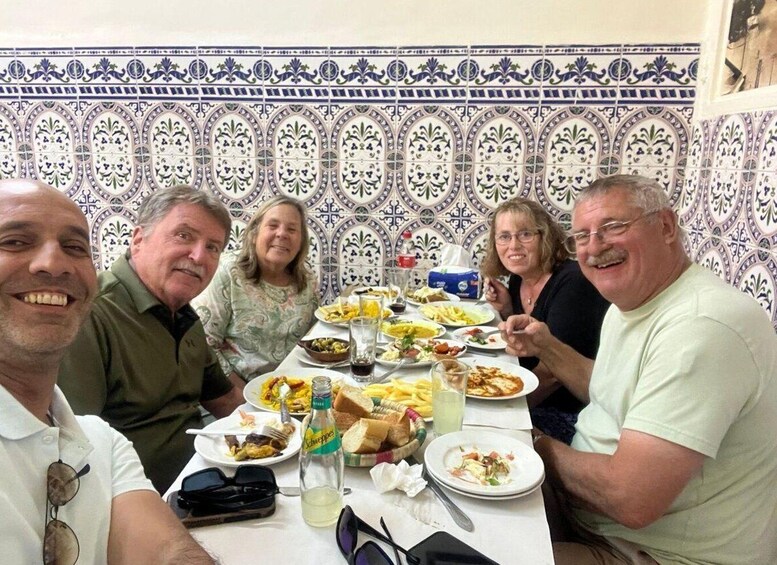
(60, 543)
(370, 553)
(253, 486)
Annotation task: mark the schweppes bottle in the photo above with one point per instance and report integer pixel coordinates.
(321, 460)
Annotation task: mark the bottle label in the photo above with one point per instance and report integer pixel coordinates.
(321, 402)
(406, 261)
(321, 441)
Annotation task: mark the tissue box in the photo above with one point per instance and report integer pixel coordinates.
(460, 281)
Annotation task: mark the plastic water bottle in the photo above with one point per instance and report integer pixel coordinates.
(406, 257)
(321, 462)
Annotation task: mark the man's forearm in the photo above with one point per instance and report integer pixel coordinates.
(568, 367)
(185, 551)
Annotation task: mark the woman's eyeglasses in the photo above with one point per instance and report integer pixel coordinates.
(524, 236)
(579, 240)
(60, 544)
(370, 553)
(253, 486)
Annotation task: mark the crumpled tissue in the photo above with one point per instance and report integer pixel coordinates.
(387, 476)
(452, 255)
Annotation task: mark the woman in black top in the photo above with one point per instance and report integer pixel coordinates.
(528, 245)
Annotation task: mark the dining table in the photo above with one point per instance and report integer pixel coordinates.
(510, 531)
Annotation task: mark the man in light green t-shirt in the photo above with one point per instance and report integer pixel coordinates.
(675, 457)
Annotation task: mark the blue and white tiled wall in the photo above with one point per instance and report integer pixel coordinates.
(729, 202)
(377, 140)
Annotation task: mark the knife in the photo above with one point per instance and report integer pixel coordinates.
(461, 519)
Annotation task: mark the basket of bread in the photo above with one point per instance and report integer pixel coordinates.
(375, 430)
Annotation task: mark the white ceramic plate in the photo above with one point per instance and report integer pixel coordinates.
(491, 497)
(371, 291)
(437, 328)
(530, 380)
(444, 453)
(478, 314)
(426, 363)
(451, 298)
(321, 316)
(495, 341)
(253, 390)
(214, 449)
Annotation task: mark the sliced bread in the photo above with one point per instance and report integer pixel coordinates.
(351, 399)
(365, 436)
(399, 432)
(344, 420)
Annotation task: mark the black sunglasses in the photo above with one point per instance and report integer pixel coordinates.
(60, 543)
(253, 486)
(370, 553)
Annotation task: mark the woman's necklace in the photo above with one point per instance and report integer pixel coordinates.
(531, 289)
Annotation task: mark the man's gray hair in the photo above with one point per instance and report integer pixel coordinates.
(644, 193)
(156, 206)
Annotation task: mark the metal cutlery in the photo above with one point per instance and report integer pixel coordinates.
(387, 374)
(266, 431)
(282, 394)
(461, 519)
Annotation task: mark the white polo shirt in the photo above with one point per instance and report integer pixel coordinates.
(28, 447)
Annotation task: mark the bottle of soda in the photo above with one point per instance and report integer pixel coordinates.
(406, 257)
(321, 462)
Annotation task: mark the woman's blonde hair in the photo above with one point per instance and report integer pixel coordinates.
(248, 261)
(552, 251)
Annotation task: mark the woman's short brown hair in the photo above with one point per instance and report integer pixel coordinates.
(248, 261)
(552, 251)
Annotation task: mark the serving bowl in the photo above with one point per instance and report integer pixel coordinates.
(320, 349)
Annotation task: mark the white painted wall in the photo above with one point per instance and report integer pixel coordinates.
(66, 23)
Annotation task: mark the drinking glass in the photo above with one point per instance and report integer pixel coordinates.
(449, 390)
(371, 306)
(396, 282)
(364, 339)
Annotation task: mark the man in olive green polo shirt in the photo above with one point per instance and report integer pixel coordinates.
(141, 361)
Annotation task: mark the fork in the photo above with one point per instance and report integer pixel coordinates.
(387, 374)
(273, 433)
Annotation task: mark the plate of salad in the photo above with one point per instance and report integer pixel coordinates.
(475, 337)
(420, 352)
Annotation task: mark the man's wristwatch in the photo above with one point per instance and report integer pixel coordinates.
(537, 437)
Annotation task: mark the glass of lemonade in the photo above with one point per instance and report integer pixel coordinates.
(449, 390)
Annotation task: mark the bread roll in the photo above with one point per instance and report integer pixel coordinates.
(351, 399)
(399, 432)
(344, 420)
(365, 436)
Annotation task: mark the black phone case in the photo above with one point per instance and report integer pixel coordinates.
(193, 519)
(441, 548)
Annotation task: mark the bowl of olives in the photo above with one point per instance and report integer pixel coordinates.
(326, 349)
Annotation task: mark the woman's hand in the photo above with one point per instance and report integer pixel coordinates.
(497, 295)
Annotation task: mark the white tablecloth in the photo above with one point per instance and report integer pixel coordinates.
(510, 531)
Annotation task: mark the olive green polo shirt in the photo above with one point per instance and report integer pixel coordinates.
(144, 377)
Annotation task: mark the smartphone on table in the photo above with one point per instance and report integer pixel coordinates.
(441, 548)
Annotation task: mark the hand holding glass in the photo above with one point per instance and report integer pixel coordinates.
(364, 339)
(449, 390)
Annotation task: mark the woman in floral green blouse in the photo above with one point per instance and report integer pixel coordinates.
(261, 300)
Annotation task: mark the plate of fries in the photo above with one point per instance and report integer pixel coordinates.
(458, 315)
(416, 395)
(340, 313)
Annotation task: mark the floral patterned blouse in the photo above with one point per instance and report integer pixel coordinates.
(252, 326)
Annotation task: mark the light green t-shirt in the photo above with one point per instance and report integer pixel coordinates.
(253, 326)
(696, 366)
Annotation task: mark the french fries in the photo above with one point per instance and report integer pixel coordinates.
(447, 314)
(416, 395)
